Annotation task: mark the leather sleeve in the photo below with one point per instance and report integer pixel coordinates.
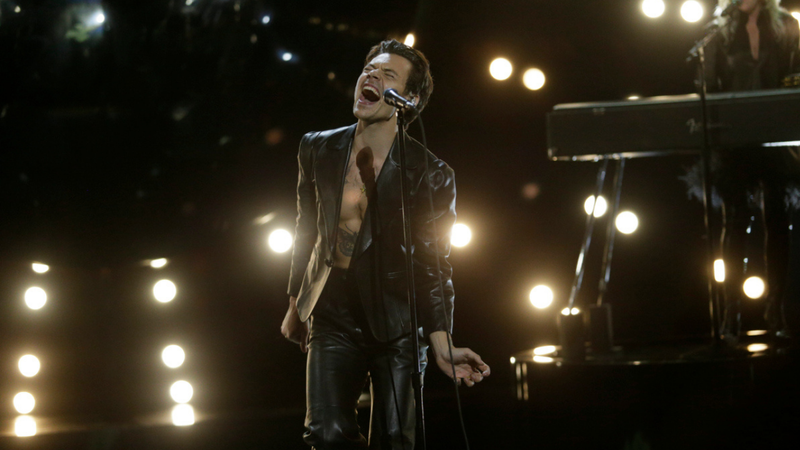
(305, 235)
(432, 230)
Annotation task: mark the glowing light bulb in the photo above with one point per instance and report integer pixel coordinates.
(40, 268)
(183, 415)
(541, 296)
(500, 69)
(35, 298)
(755, 348)
(25, 426)
(599, 209)
(653, 8)
(719, 270)
(158, 263)
(461, 235)
(181, 391)
(24, 402)
(692, 11)
(173, 356)
(29, 365)
(533, 79)
(627, 222)
(280, 241)
(544, 350)
(165, 291)
(754, 287)
(410, 40)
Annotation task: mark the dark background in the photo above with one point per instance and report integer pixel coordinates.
(170, 129)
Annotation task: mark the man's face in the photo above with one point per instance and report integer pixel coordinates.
(385, 71)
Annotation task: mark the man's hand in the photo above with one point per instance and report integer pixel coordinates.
(468, 364)
(293, 328)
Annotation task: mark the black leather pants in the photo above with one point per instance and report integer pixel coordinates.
(342, 353)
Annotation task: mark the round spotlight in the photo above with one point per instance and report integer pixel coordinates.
(98, 18)
(410, 40)
(35, 298)
(40, 268)
(575, 311)
(165, 291)
(461, 235)
(158, 263)
(565, 312)
(29, 365)
(755, 348)
(542, 359)
(17, 9)
(286, 56)
(182, 415)
(544, 350)
(500, 69)
(691, 11)
(265, 20)
(24, 402)
(513, 360)
(719, 270)
(533, 79)
(627, 222)
(173, 356)
(181, 391)
(598, 209)
(280, 241)
(25, 426)
(754, 287)
(541, 296)
(653, 8)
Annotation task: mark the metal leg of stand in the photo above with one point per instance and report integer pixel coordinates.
(587, 237)
(611, 233)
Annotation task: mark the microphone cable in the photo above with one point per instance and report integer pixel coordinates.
(441, 284)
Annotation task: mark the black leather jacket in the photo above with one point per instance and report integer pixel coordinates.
(379, 257)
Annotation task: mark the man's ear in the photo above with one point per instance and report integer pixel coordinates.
(415, 99)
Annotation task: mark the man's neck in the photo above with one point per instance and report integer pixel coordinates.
(379, 136)
(752, 15)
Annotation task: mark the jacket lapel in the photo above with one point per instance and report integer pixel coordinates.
(388, 202)
(331, 160)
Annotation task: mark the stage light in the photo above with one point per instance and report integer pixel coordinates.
(542, 359)
(634, 97)
(719, 270)
(627, 222)
(755, 348)
(181, 391)
(691, 11)
(541, 296)
(173, 356)
(565, 312)
(287, 56)
(24, 402)
(29, 365)
(35, 298)
(544, 350)
(25, 426)
(575, 311)
(500, 69)
(158, 263)
(165, 291)
(40, 268)
(410, 40)
(189, 2)
(461, 235)
(754, 287)
(533, 79)
(513, 360)
(598, 209)
(796, 15)
(98, 18)
(280, 241)
(17, 9)
(756, 332)
(265, 20)
(182, 415)
(653, 8)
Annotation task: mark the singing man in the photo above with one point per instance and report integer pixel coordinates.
(348, 303)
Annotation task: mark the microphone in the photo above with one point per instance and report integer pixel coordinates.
(391, 97)
(732, 6)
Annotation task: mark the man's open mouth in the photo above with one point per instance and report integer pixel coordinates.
(370, 94)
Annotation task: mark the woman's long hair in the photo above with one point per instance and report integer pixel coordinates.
(770, 7)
